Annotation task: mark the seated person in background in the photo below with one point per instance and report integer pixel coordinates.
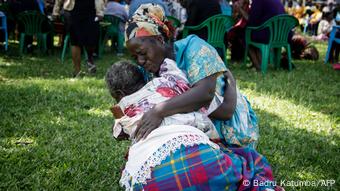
(261, 11)
(291, 6)
(113, 7)
(176, 9)
(198, 11)
(315, 18)
(325, 26)
(18, 6)
(236, 35)
(176, 156)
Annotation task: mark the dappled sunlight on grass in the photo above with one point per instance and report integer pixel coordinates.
(12, 145)
(56, 131)
(299, 115)
(99, 112)
(293, 135)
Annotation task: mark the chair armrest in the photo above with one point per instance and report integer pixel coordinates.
(194, 28)
(250, 29)
(261, 27)
(185, 32)
(248, 33)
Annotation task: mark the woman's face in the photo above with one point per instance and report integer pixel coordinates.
(149, 53)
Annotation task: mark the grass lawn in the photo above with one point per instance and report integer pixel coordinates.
(56, 131)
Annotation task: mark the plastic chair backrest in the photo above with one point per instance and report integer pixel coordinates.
(3, 25)
(32, 22)
(332, 35)
(174, 21)
(217, 25)
(279, 27)
(332, 38)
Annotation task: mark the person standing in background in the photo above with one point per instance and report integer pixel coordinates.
(82, 23)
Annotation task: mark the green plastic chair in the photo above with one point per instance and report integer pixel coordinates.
(217, 26)
(66, 45)
(174, 21)
(32, 22)
(279, 27)
(112, 32)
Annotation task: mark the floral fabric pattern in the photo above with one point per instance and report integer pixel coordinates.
(172, 82)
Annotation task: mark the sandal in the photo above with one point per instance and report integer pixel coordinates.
(91, 68)
(249, 65)
(76, 74)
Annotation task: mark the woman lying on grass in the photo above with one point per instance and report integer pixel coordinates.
(177, 155)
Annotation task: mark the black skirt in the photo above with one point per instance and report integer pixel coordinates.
(81, 25)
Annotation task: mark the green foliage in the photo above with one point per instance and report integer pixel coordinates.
(56, 131)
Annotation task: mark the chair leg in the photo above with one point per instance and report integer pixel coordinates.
(102, 40)
(245, 54)
(86, 57)
(22, 43)
(264, 60)
(64, 48)
(120, 43)
(6, 39)
(289, 54)
(44, 41)
(330, 42)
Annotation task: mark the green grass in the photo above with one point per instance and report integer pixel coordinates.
(56, 132)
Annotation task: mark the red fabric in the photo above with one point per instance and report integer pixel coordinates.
(336, 66)
(199, 175)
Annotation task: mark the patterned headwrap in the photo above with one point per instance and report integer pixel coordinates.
(148, 20)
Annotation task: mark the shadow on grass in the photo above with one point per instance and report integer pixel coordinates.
(296, 154)
(70, 125)
(74, 150)
(49, 66)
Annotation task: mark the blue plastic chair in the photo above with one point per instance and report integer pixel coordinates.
(3, 27)
(331, 40)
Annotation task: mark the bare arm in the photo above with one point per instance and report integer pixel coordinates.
(226, 110)
(100, 6)
(239, 6)
(57, 7)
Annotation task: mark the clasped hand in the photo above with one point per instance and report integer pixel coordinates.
(150, 121)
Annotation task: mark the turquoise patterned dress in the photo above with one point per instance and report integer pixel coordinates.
(198, 60)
